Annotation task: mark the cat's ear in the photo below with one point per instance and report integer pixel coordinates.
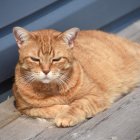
(21, 35)
(69, 36)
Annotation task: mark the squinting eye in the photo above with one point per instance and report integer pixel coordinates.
(57, 59)
(35, 59)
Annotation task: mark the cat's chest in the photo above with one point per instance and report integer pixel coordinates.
(46, 89)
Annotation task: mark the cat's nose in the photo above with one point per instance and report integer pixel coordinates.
(46, 71)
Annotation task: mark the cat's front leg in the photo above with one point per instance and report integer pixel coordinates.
(80, 110)
(70, 117)
(45, 112)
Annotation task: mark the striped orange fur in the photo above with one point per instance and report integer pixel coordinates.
(71, 76)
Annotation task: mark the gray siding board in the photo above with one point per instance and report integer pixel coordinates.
(11, 11)
(88, 14)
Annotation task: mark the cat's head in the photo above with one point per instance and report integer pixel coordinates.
(45, 55)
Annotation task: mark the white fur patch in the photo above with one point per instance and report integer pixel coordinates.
(47, 78)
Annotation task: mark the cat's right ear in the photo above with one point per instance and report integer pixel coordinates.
(69, 36)
(21, 35)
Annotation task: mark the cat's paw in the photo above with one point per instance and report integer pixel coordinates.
(66, 120)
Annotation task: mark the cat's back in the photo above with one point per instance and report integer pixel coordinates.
(93, 37)
(105, 45)
(106, 56)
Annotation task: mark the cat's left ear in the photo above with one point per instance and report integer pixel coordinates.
(21, 35)
(69, 36)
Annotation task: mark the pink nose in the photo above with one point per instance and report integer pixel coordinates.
(46, 71)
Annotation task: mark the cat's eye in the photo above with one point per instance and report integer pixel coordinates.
(57, 59)
(34, 59)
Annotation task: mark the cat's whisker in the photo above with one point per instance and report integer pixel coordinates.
(28, 78)
(61, 83)
(64, 82)
(22, 81)
(62, 89)
(65, 87)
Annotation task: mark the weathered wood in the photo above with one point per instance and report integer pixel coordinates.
(13, 126)
(8, 113)
(23, 128)
(131, 32)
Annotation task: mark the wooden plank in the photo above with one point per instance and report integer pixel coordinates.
(131, 32)
(8, 113)
(23, 128)
(13, 126)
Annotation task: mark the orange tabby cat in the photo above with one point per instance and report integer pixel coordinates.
(73, 75)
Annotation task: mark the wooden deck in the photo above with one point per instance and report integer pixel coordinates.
(120, 122)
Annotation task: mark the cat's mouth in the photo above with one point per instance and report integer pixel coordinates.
(40, 76)
(46, 80)
(50, 77)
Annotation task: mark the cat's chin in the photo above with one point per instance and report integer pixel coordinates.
(46, 81)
